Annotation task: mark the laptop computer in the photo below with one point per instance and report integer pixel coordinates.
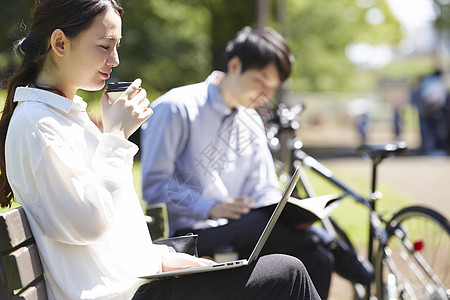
(256, 250)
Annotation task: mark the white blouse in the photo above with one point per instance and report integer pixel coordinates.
(76, 186)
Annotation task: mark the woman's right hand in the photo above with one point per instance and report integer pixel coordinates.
(124, 116)
(177, 261)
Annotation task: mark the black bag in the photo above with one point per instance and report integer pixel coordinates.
(183, 244)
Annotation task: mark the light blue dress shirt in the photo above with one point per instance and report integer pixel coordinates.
(196, 151)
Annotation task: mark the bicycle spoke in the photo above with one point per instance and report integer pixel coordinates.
(418, 253)
(418, 262)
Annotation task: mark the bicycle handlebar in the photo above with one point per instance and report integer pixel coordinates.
(284, 117)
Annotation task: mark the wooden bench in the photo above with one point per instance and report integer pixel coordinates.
(21, 273)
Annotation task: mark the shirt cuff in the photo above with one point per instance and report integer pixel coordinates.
(160, 250)
(112, 144)
(203, 207)
(269, 199)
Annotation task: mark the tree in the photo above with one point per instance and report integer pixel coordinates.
(319, 32)
(165, 42)
(442, 25)
(15, 16)
(175, 42)
(442, 22)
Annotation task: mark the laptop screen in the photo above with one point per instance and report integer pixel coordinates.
(275, 215)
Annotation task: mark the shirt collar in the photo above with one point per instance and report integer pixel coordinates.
(215, 98)
(49, 98)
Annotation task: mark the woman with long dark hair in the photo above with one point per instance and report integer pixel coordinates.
(75, 182)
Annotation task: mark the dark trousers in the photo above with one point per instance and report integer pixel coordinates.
(243, 234)
(270, 277)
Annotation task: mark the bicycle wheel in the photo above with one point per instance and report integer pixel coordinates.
(414, 262)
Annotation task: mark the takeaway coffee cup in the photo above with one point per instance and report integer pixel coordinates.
(115, 89)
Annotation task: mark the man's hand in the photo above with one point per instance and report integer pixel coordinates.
(233, 208)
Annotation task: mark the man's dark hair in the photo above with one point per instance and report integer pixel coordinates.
(258, 47)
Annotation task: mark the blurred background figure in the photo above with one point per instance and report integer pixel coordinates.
(430, 99)
(358, 109)
(397, 122)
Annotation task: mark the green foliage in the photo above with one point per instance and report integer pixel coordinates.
(165, 42)
(169, 43)
(411, 68)
(442, 22)
(319, 32)
(15, 16)
(227, 18)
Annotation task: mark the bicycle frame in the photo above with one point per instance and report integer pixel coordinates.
(376, 230)
(282, 138)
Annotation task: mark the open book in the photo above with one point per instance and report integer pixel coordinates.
(320, 206)
(308, 210)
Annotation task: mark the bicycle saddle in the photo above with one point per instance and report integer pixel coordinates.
(381, 151)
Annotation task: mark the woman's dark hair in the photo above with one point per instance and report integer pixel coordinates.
(72, 17)
(258, 47)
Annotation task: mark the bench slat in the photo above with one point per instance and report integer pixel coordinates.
(14, 229)
(36, 292)
(22, 266)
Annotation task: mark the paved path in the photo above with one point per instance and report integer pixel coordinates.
(424, 180)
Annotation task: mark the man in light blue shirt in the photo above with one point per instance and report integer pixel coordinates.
(198, 152)
(205, 154)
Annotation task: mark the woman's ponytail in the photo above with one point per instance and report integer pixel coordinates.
(24, 75)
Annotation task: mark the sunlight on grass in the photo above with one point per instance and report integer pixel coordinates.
(14, 204)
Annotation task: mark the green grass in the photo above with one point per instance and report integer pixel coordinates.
(137, 178)
(13, 205)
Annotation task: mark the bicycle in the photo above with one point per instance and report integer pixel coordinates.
(412, 257)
